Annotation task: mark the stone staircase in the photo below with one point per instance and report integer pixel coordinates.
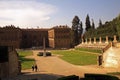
(92, 45)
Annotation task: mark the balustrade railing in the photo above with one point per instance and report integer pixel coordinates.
(107, 47)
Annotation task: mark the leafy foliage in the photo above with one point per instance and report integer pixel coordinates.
(109, 29)
(100, 23)
(93, 25)
(88, 25)
(76, 30)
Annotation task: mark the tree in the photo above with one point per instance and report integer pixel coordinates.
(76, 30)
(93, 25)
(80, 31)
(75, 22)
(100, 23)
(88, 25)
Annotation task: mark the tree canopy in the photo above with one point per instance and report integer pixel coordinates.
(110, 28)
(88, 25)
(76, 30)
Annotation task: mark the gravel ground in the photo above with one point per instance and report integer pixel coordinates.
(51, 68)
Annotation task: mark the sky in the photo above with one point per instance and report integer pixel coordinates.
(50, 13)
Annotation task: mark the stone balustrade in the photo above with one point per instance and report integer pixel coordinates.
(86, 41)
(106, 40)
(93, 43)
(100, 40)
(94, 40)
(115, 40)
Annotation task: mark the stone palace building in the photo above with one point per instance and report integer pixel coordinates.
(56, 37)
(59, 37)
(12, 38)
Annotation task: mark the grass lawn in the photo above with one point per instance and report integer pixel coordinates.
(25, 62)
(77, 57)
(89, 50)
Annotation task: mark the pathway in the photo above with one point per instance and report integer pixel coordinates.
(51, 68)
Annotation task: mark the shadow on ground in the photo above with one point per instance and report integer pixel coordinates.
(39, 76)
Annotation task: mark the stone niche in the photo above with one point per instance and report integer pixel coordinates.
(9, 63)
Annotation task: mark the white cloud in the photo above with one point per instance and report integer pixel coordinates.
(25, 13)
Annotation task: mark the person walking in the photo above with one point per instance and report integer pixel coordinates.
(33, 67)
(36, 68)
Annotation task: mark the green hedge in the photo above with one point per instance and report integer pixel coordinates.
(41, 54)
(100, 77)
(71, 77)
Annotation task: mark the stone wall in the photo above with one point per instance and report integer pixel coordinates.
(13, 62)
(11, 67)
(111, 58)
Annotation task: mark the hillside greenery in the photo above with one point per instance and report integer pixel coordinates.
(110, 28)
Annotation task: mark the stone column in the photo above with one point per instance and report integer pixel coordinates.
(100, 40)
(115, 40)
(90, 41)
(106, 40)
(86, 41)
(82, 41)
(94, 40)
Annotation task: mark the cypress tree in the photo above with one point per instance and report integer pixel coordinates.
(88, 25)
(76, 30)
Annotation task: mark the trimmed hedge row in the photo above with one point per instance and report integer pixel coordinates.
(99, 77)
(41, 54)
(90, 77)
(71, 77)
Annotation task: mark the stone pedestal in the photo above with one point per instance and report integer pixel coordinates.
(90, 41)
(100, 40)
(106, 40)
(94, 40)
(82, 41)
(85, 41)
(115, 40)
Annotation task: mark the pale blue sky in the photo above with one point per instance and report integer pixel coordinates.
(49, 13)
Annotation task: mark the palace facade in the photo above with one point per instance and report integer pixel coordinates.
(59, 37)
(56, 37)
(10, 36)
(34, 38)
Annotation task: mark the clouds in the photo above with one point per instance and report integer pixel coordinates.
(25, 13)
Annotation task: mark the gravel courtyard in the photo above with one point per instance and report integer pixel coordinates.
(51, 68)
